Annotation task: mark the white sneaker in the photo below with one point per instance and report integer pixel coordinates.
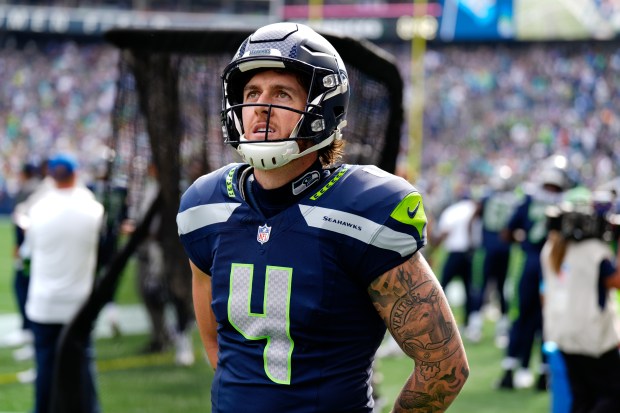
(472, 335)
(501, 342)
(184, 355)
(523, 379)
(24, 353)
(17, 338)
(27, 376)
(473, 331)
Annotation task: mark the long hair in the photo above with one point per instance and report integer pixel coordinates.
(332, 153)
(559, 245)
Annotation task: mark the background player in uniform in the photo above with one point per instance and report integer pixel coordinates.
(298, 266)
(493, 212)
(529, 219)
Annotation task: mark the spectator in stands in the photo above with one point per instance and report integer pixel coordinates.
(61, 240)
(51, 93)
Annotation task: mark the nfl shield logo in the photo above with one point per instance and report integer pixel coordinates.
(263, 234)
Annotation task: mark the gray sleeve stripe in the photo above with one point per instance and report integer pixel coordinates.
(204, 215)
(359, 228)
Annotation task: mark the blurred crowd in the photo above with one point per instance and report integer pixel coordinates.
(516, 104)
(485, 106)
(54, 96)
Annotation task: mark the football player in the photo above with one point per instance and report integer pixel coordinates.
(493, 212)
(299, 264)
(528, 227)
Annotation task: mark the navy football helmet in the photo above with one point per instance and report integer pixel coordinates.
(297, 48)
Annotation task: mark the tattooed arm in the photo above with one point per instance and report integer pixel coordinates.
(414, 307)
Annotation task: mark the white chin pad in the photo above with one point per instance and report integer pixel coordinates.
(268, 155)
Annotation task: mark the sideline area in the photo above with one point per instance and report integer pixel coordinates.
(132, 319)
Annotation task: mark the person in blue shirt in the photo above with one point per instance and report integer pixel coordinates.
(299, 264)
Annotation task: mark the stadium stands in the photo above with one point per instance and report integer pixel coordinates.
(486, 104)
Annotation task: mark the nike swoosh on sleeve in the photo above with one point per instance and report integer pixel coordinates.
(414, 212)
(407, 215)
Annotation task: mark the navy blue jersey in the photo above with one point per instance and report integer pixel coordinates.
(497, 208)
(530, 217)
(297, 331)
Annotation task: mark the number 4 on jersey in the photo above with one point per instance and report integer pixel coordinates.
(272, 324)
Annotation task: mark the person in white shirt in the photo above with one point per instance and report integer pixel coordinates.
(454, 233)
(62, 240)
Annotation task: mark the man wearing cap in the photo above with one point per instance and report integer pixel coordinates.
(61, 239)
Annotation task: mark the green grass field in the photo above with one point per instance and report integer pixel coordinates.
(129, 382)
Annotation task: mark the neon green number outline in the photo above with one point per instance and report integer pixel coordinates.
(273, 324)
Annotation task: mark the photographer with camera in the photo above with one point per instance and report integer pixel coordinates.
(580, 280)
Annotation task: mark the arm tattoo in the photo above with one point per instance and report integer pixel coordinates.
(418, 321)
(415, 309)
(425, 402)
